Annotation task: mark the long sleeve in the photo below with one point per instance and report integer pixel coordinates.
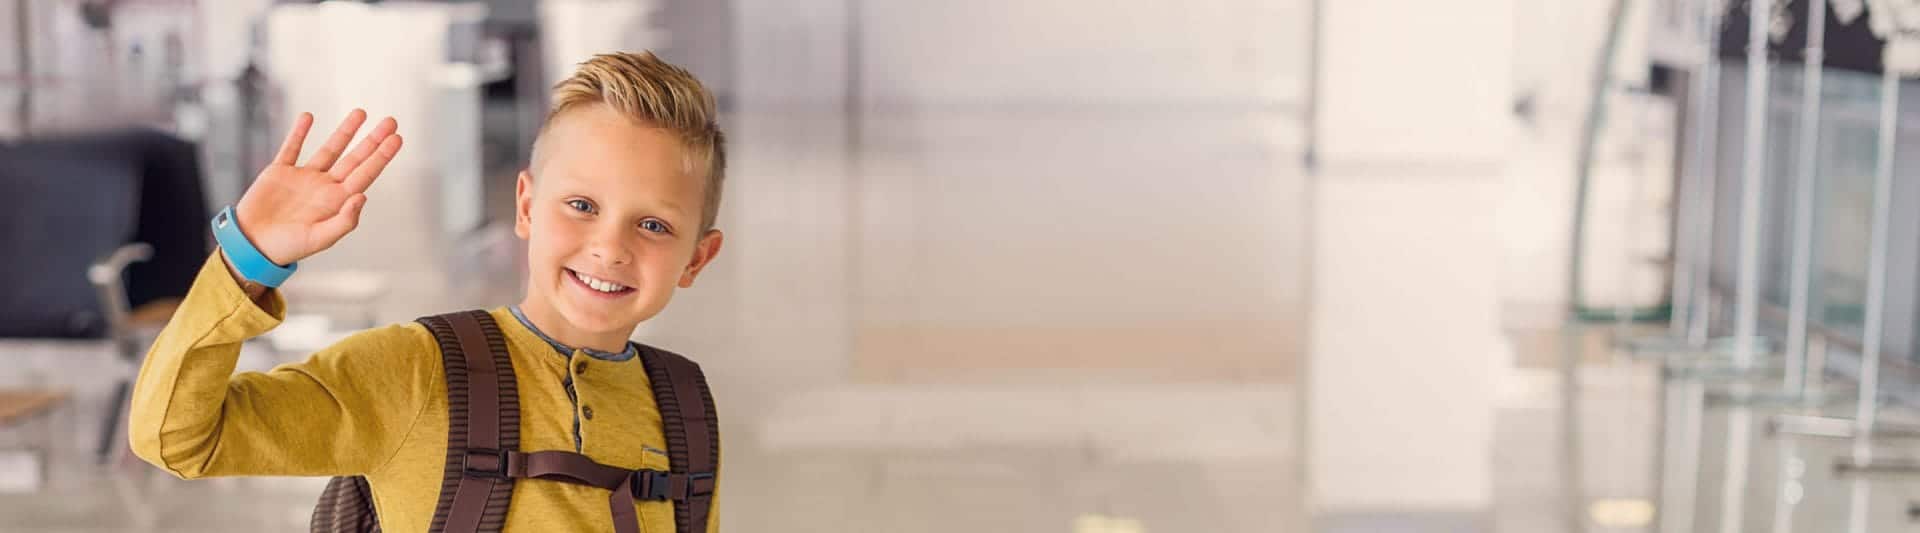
(345, 410)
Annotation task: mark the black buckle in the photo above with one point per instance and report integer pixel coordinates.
(497, 470)
(650, 485)
(657, 485)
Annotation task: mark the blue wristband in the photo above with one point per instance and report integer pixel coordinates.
(245, 258)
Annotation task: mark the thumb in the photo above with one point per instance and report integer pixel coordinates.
(344, 221)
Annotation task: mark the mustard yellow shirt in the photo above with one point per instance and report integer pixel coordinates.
(375, 405)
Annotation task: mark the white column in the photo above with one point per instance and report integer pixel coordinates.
(1404, 343)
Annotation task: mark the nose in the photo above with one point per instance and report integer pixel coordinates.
(607, 247)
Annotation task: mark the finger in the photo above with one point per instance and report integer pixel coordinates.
(337, 143)
(362, 177)
(343, 222)
(290, 149)
(366, 147)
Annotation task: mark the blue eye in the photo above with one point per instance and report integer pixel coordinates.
(580, 205)
(654, 226)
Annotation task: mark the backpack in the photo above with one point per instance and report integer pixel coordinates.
(483, 442)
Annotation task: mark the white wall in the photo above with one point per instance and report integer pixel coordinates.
(1141, 52)
(1051, 185)
(1555, 47)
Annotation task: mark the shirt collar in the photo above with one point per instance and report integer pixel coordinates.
(565, 350)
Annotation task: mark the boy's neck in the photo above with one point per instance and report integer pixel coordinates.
(548, 321)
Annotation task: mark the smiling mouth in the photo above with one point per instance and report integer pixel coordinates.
(597, 285)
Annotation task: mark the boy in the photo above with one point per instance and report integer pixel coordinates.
(617, 208)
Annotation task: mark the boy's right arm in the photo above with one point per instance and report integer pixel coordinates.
(339, 412)
(343, 411)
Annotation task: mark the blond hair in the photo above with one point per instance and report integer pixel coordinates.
(657, 93)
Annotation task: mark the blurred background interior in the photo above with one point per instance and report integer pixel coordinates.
(1067, 266)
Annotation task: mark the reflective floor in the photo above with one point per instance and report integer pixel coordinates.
(1174, 457)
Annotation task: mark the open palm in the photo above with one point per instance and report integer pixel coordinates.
(293, 211)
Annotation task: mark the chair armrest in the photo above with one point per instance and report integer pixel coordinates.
(107, 270)
(110, 286)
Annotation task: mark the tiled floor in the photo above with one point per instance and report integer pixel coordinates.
(1040, 458)
(1025, 458)
(1191, 457)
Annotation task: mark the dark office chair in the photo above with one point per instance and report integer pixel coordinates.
(102, 235)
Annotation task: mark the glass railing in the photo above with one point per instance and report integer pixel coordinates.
(1845, 152)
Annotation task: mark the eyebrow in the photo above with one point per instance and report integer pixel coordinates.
(671, 207)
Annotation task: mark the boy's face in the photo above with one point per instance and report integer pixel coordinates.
(610, 206)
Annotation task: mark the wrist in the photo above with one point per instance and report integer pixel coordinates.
(247, 218)
(242, 256)
(253, 290)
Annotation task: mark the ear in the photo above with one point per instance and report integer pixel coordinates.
(703, 253)
(523, 205)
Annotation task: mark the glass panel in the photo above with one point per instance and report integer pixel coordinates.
(1784, 129)
(1778, 170)
(1843, 188)
(1850, 128)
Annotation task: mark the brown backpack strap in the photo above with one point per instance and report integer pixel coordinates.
(483, 420)
(483, 437)
(570, 467)
(693, 434)
(626, 486)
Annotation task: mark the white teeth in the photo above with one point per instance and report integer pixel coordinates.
(599, 285)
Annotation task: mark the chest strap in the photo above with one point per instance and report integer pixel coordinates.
(626, 486)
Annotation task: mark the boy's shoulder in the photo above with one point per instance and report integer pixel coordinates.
(414, 338)
(411, 331)
(394, 341)
(415, 331)
(396, 358)
(407, 347)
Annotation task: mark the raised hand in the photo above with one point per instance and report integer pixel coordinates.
(294, 211)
